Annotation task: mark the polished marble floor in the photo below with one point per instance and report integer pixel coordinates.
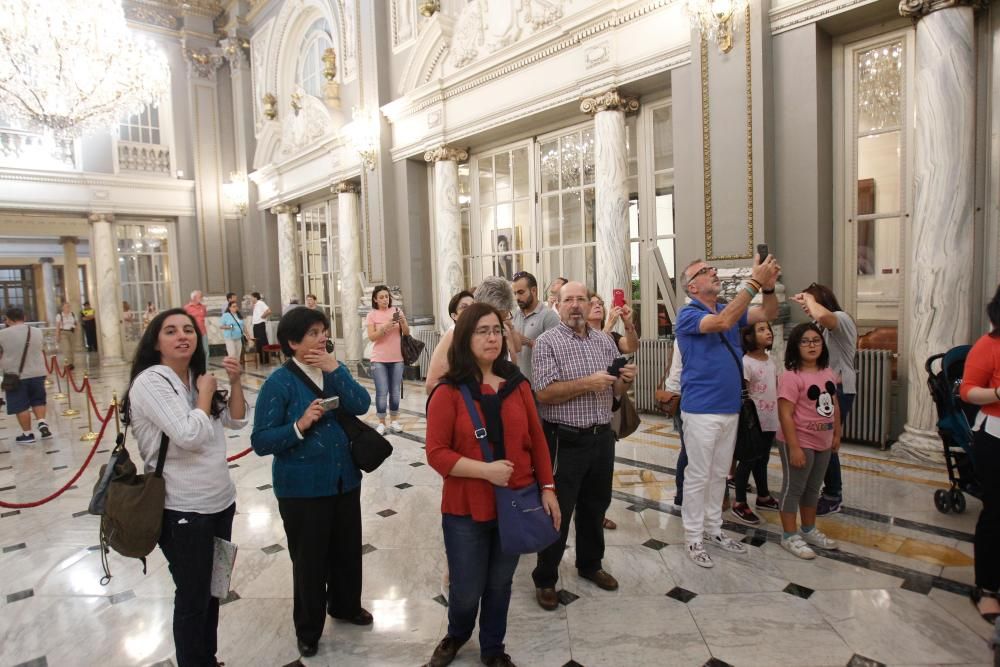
(895, 594)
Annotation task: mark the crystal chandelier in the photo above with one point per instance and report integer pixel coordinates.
(880, 83)
(72, 66)
(715, 20)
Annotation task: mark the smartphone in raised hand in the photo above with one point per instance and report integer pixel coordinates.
(762, 252)
(618, 298)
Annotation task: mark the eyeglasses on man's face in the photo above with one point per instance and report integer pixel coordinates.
(703, 270)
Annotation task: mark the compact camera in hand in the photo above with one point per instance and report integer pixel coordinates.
(331, 403)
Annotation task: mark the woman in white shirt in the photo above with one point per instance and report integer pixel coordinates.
(171, 395)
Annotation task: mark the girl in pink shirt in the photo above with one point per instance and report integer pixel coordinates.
(808, 432)
(386, 327)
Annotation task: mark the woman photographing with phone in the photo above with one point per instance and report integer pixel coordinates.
(317, 484)
(386, 328)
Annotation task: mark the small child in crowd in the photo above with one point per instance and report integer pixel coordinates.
(809, 431)
(762, 382)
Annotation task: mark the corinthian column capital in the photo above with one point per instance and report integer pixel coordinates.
(443, 152)
(101, 217)
(917, 9)
(346, 187)
(282, 209)
(612, 100)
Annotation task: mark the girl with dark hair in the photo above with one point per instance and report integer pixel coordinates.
(840, 338)
(317, 484)
(981, 386)
(762, 383)
(481, 572)
(386, 327)
(171, 394)
(808, 431)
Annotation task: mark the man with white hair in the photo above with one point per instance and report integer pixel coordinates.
(711, 386)
(196, 309)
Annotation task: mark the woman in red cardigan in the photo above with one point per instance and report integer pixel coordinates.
(981, 386)
(481, 573)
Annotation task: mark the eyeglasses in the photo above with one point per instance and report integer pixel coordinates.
(488, 331)
(703, 270)
(810, 342)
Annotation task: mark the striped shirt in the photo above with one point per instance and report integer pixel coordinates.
(562, 356)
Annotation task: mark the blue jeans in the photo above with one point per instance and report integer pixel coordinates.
(188, 542)
(388, 380)
(833, 483)
(481, 575)
(682, 460)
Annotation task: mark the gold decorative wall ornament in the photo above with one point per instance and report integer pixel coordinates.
(429, 8)
(363, 135)
(715, 20)
(296, 102)
(73, 66)
(331, 91)
(270, 106)
(329, 64)
(446, 153)
(917, 9)
(706, 140)
(609, 101)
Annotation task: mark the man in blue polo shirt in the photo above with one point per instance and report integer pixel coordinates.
(711, 384)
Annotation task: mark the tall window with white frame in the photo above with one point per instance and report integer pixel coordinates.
(320, 264)
(141, 128)
(504, 211)
(877, 195)
(567, 235)
(310, 65)
(144, 265)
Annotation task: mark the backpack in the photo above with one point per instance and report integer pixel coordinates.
(129, 503)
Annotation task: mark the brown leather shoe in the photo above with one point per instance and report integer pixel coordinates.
(445, 652)
(609, 524)
(363, 617)
(602, 579)
(547, 598)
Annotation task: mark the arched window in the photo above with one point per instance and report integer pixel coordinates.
(310, 67)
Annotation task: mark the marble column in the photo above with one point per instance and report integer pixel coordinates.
(71, 279)
(449, 270)
(52, 300)
(349, 242)
(938, 286)
(104, 255)
(611, 190)
(288, 274)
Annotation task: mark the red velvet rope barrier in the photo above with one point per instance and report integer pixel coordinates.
(72, 382)
(71, 482)
(240, 455)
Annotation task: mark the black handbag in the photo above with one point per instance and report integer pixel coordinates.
(368, 448)
(411, 349)
(525, 527)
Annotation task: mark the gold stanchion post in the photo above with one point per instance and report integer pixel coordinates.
(69, 411)
(116, 405)
(59, 395)
(89, 435)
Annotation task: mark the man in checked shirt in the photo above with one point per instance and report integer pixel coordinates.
(575, 392)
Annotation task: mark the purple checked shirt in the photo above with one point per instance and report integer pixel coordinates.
(560, 356)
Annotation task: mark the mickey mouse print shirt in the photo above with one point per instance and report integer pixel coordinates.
(814, 395)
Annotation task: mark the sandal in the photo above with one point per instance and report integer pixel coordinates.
(609, 524)
(976, 595)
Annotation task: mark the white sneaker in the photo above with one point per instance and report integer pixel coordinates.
(380, 429)
(796, 546)
(697, 553)
(819, 539)
(396, 427)
(726, 543)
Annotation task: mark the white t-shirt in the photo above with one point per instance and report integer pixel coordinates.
(259, 309)
(762, 378)
(66, 322)
(195, 472)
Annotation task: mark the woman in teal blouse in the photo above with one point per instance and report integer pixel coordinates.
(314, 478)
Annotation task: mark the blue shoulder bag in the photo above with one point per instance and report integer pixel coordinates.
(525, 527)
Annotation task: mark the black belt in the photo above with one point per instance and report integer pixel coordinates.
(595, 429)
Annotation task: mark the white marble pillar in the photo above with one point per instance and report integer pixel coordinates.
(611, 190)
(288, 251)
(71, 279)
(448, 270)
(104, 255)
(52, 300)
(938, 286)
(349, 242)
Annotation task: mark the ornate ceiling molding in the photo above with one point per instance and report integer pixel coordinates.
(446, 153)
(917, 9)
(152, 16)
(609, 101)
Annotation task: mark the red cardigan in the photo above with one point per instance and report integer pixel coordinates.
(982, 369)
(450, 437)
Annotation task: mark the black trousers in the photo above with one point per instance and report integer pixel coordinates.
(324, 542)
(986, 548)
(90, 335)
(583, 466)
(188, 542)
(260, 340)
